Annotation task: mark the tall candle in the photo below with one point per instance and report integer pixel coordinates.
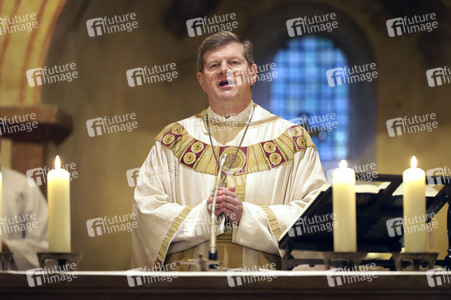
(59, 209)
(344, 207)
(414, 203)
(1, 211)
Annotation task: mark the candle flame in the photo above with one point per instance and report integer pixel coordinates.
(413, 162)
(57, 162)
(343, 164)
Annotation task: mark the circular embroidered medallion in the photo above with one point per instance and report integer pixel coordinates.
(177, 129)
(169, 138)
(269, 147)
(297, 131)
(301, 142)
(197, 147)
(275, 158)
(189, 158)
(239, 162)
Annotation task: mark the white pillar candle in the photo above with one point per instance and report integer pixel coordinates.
(1, 211)
(344, 208)
(59, 209)
(414, 202)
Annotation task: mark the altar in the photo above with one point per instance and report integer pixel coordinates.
(226, 285)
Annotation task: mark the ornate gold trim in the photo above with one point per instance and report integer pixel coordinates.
(258, 157)
(273, 223)
(169, 235)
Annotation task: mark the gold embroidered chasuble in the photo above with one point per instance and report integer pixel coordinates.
(277, 172)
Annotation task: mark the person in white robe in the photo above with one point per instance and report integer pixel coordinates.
(271, 178)
(24, 220)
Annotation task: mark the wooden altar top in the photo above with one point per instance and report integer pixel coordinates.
(226, 285)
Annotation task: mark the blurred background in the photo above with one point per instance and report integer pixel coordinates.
(298, 89)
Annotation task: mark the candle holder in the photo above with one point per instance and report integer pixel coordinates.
(62, 258)
(343, 259)
(203, 264)
(414, 261)
(6, 258)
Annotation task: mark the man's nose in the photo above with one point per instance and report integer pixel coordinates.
(223, 67)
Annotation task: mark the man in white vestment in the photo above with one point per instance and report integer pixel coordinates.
(272, 173)
(24, 222)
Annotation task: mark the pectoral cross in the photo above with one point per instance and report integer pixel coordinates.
(223, 183)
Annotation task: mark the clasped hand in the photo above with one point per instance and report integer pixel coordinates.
(227, 202)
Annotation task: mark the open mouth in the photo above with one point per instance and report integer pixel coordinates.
(225, 83)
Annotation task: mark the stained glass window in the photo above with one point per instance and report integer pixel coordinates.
(301, 93)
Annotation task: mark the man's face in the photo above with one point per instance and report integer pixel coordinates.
(226, 75)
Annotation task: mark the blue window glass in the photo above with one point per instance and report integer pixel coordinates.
(301, 93)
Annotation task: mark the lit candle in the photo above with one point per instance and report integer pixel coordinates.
(343, 195)
(414, 202)
(59, 209)
(1, 211)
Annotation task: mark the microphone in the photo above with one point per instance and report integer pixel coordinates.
(213, 253)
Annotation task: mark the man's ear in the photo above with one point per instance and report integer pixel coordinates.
(200, 78)
(253, 72)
